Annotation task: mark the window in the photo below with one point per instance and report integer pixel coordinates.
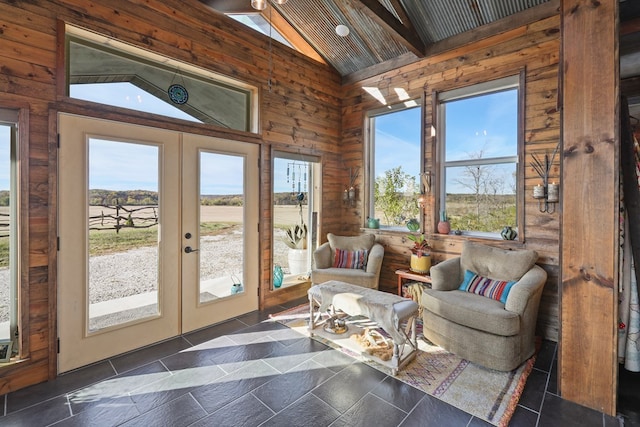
(479, 146)
(395, 163)
(113, 73)
(9, 254)
(258, 22)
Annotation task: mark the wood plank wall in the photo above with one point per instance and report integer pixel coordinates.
(591, 145)
(534, 48)
(300, 114)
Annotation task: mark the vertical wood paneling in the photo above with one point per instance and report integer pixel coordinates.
(591, 145)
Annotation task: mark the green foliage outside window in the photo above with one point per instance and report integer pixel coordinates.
(395, 195)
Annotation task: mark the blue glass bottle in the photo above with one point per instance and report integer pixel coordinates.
(278, 276)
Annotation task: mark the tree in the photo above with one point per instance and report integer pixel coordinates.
(493, 207)
(479, 179)
(394, 195)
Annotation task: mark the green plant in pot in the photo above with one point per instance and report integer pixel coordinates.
(420, 254)
(295, 238)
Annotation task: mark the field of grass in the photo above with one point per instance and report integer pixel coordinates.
(108, 241)
(491, 213)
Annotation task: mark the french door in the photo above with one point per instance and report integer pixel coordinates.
(158, 235)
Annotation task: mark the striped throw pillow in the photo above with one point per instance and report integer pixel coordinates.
(350, 259)
(494, 289)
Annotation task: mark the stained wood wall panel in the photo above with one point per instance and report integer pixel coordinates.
(534, 48)
(591, 147)
(301, 112)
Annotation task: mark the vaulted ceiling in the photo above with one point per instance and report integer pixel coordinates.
(388, 33)
(385, 34)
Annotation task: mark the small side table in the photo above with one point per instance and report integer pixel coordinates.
(410, 275)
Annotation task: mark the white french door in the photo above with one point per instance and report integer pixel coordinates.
(225, 237)
(146, 252)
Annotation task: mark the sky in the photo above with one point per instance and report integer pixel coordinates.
(485, 126)
(116, 165)
(397, 142)
(488, 123)
(297, 170)
(126, 95)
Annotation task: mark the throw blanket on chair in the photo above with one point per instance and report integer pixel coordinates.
(414, 291)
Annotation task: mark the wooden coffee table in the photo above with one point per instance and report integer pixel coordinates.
(404, 274)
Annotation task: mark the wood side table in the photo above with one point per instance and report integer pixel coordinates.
(404, 274)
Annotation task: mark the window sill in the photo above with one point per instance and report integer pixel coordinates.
(489, 238)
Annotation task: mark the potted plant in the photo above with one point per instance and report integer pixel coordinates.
(420, 254)
(443, 226)
(296, 239)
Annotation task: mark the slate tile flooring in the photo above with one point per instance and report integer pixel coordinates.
(252, 372)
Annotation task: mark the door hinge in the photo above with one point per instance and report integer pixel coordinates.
(58, 243)
(58, 343)
(58, 140)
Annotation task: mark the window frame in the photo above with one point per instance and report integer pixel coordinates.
(369, 155)
(17, 116)
(110, 45)
(503, 83)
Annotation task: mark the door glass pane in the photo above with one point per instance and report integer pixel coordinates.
(221, 244)
(295, 211)
(7, 229)
(123, 232)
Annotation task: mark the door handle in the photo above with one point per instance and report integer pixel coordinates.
(189, 249)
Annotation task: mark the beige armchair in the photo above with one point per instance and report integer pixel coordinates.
(324, 258)
(496, 334)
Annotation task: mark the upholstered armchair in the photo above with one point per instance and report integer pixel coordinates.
(352, 259)
(483, 305)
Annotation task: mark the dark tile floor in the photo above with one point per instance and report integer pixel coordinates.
(246, 372)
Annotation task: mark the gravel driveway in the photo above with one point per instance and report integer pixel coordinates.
(133, 272)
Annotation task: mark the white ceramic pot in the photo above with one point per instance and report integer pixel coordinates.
(298, 261)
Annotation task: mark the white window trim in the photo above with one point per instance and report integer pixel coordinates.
(369, 154)
(479, 89)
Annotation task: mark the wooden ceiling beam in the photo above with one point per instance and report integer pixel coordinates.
(401, 32)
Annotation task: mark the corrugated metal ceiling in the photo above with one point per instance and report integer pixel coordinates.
(368, 43)
(377, 31)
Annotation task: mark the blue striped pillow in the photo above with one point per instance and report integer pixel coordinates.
(350, 259)
(494, 289)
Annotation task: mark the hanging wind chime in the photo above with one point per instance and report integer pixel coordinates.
(298, 182)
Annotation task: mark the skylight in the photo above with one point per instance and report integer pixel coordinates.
(259, 23)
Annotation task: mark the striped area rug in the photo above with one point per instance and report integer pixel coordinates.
(485, 393)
